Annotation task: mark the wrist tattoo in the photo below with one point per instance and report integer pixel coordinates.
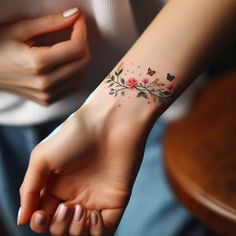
(146, 85)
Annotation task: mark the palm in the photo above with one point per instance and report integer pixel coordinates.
(95, 173)
(95, 192)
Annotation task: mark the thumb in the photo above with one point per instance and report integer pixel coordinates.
(34, 181)
(28, 29)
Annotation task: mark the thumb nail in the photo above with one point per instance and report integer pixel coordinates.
(70, 12)
(19, 216)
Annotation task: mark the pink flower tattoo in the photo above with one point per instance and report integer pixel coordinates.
(149, 88)
(131, 83)
(145, 80)
(170, 86)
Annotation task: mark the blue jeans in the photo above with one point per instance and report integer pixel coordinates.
(16, 144)
(152, 209)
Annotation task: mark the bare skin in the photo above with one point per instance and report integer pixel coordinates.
(43, 74)
(95, 182)
(93, 159)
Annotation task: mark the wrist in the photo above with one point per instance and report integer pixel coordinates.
(136, 91)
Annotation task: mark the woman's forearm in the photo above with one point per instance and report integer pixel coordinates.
(180, 42)
(105, 139)
(186, 36)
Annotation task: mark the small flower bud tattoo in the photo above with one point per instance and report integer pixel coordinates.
(149, 86)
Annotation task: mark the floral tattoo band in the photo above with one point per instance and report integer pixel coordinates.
(148, 86)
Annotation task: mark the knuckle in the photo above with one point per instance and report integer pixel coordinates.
(35, 153)
(37, 65)
(86, 60)
(38, 155)
(30, 193)
(25, 192)
(78, 48)
(43, 83)
(77, 52)
(47, 99)
(87, 54)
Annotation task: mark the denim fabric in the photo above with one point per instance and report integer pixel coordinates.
(16, 144)
(152, 209)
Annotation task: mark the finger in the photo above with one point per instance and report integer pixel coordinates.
(111, 219)
(60, 53)
(44, 82)
(63, 89)
(24, 30)
(69, 89)
(61, 220)
(41, 98)
(35, 179)
(78, 224)
(49, 203)
(40, 221)
(64, 73)
(44, 98)
(41, 218)
(79, 33)
(96, 224)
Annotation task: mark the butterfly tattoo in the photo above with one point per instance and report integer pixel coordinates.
(170, 77)
(151, 72)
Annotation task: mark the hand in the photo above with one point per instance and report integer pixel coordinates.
(92, 160)
(43, 74)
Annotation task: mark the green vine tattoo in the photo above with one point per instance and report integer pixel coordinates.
(150, 87)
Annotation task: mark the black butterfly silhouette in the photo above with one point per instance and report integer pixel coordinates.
(151, 72)
(170, 77)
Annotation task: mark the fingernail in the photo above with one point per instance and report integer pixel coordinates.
(39, 219)
(94, 218)
(78, 213)
(63, 213)
(70, 12)
(19, 216)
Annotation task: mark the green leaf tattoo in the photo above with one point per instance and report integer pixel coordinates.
(149, 87)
